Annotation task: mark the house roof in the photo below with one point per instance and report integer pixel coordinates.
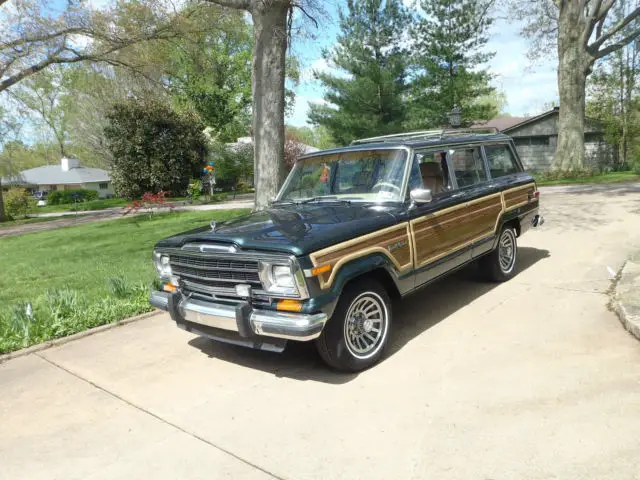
(55, 175)
(501, 123)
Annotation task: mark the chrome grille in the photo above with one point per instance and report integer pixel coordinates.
(221, 275)
(215, 274)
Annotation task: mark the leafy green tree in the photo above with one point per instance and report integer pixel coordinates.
(366, 97)
(210, 71)
(234, 164)
(450, 61)
(318, 136)
(614, 94)
(580, 33)
(42, 95)
(153, 148)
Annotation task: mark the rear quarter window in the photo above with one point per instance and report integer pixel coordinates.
(501, 160)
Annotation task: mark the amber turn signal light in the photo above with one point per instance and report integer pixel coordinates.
(320, 270)
(167, 287)
(289, 305)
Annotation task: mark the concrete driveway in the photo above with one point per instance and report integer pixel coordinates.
(531, 379)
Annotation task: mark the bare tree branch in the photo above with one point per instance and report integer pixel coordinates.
(45, 37)
(592, 13)
(601, 39)
(603, 9)
(308, 15)
(37, 41)
(237, 4)
(617, 45)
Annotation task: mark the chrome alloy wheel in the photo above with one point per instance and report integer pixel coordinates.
(365, 326)
(507, 251)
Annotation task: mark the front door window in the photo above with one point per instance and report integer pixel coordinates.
(431, 171)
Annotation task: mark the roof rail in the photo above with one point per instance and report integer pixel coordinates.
(425, 134)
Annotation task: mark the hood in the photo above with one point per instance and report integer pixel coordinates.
(293, 229)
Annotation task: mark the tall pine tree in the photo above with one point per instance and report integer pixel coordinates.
(450, 58)
(367, 97)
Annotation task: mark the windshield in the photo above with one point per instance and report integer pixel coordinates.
(369, 175)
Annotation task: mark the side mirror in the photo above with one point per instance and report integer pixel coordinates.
(421, 195)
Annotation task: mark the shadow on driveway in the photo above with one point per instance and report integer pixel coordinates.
(412, 316)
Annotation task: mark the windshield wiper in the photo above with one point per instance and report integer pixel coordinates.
(332, 198)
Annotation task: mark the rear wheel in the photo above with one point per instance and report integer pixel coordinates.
(357, 333)
(500, 264)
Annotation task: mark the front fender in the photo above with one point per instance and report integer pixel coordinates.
(327, 300)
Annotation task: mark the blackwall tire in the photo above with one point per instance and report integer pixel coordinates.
(357, 334)
(500, 265)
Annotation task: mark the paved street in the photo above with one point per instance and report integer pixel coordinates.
(531, 379)
(67, 219)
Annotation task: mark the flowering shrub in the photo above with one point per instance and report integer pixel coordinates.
(149, 203)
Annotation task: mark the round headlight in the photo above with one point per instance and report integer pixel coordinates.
(282, 276)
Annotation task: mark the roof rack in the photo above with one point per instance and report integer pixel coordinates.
(424, 135)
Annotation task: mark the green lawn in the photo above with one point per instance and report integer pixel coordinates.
(100, 204)
(612, 177)
(80, 277)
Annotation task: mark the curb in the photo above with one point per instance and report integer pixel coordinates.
(626, 297)
(76, 336)
(633, 327)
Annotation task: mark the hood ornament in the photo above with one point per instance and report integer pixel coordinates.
(213, 225)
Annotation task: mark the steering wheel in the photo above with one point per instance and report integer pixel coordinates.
(386, 184)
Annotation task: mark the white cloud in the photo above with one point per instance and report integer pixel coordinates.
(318, 65)
(526, 87)
(299, 117)
(99, 4)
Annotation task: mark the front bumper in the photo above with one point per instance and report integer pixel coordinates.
(241, 318)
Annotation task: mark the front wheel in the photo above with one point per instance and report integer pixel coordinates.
(500, 264)
(355, 337)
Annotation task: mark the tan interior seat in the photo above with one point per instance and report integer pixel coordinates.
(431, 173)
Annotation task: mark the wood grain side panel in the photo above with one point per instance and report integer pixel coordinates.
(382, 240)
(435, 235)
(484, 216)
(393, 242)
(519, 196)
(438, 235)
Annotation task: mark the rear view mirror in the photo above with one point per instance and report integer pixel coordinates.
(421, 195)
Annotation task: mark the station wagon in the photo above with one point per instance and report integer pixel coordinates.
(351, 231)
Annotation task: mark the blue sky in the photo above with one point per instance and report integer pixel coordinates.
(526, 87)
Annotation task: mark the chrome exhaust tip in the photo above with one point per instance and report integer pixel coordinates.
(537, 221)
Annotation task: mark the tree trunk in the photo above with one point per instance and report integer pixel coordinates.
(2, 215)
(268, 85)
(573, 66)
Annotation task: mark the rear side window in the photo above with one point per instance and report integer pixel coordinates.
(468, 166)
(501, 160)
